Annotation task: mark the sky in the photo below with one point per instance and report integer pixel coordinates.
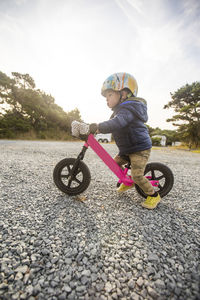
(70, 47)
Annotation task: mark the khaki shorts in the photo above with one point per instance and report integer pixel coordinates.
(138, 162)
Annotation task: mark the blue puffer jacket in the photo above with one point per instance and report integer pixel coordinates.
(127, 126)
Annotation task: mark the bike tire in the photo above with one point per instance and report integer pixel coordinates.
(61, 175)
(161, 172)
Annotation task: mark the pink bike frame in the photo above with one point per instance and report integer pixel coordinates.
(109, 161)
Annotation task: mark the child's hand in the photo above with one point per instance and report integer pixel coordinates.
(93, 128)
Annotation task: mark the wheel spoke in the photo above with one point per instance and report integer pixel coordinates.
(77, 172)
(78, 181)
(153, 174)
(69, 183)
(64, 176)
(68, 168)
(160, 177)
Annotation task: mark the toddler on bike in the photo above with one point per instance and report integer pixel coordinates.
(129, 131)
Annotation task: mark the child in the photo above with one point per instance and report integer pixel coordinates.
(129, 131)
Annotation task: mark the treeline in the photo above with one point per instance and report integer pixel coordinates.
(29, 112)
(172, 136)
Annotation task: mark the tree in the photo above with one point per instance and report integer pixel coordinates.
(171, 135)
(186, 103)
(24, 80)
(156, 141)
(23, 107)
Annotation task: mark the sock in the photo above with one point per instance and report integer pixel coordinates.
(154, 195)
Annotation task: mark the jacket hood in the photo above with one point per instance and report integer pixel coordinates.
(138, 106)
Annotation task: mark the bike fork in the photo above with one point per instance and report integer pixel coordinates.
(74, 169)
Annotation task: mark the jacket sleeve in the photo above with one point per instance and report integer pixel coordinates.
(121, 120)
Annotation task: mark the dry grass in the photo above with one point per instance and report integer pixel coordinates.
(45, 135)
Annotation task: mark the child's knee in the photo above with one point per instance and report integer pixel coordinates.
(120, 161)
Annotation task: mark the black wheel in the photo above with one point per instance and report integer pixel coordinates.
(160, 172)
(71, 184)
(100, 140)
(105, 141)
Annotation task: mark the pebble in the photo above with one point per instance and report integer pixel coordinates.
(134, 296)
(153, 257)
(22, 269)
(152, 292)
(107, 247)
(108, 287)
(131, 283)
(160, 284)
(67, 288)
(140, 281)
(86, 273)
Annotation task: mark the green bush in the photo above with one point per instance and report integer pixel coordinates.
(156, 141)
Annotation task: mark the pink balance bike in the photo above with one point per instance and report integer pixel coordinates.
(72, 176)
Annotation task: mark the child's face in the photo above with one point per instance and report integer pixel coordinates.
(112, 98)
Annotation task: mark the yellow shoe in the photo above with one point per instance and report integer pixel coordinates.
(151, 202)
(122, 188)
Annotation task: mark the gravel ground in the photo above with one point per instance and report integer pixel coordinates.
(53, 246)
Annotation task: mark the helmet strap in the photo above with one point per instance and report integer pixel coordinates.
(130, 94)
(120, 99)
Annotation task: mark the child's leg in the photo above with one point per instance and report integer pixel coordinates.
(138, 164)
(119, 160)
(122, 161)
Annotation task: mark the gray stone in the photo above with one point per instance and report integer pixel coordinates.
(153, 257)
(45, 251)
(3, 286)
(94, 277)
(68, 261)
(67, 288)
(81, 289)
(139, 267)
(160, 284)
(86, 273)
(22, 269)
(18, 276)
(36, 289)
(150, 271)
(71, 296)
(99, 286)
(29, 289)
(152, 292)
(26, 278)
(63, 296)
(84, 280)
(131, 283)
(140, 281)
(67, 278)
(108, 287)
(134, 296)
(16, 296)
